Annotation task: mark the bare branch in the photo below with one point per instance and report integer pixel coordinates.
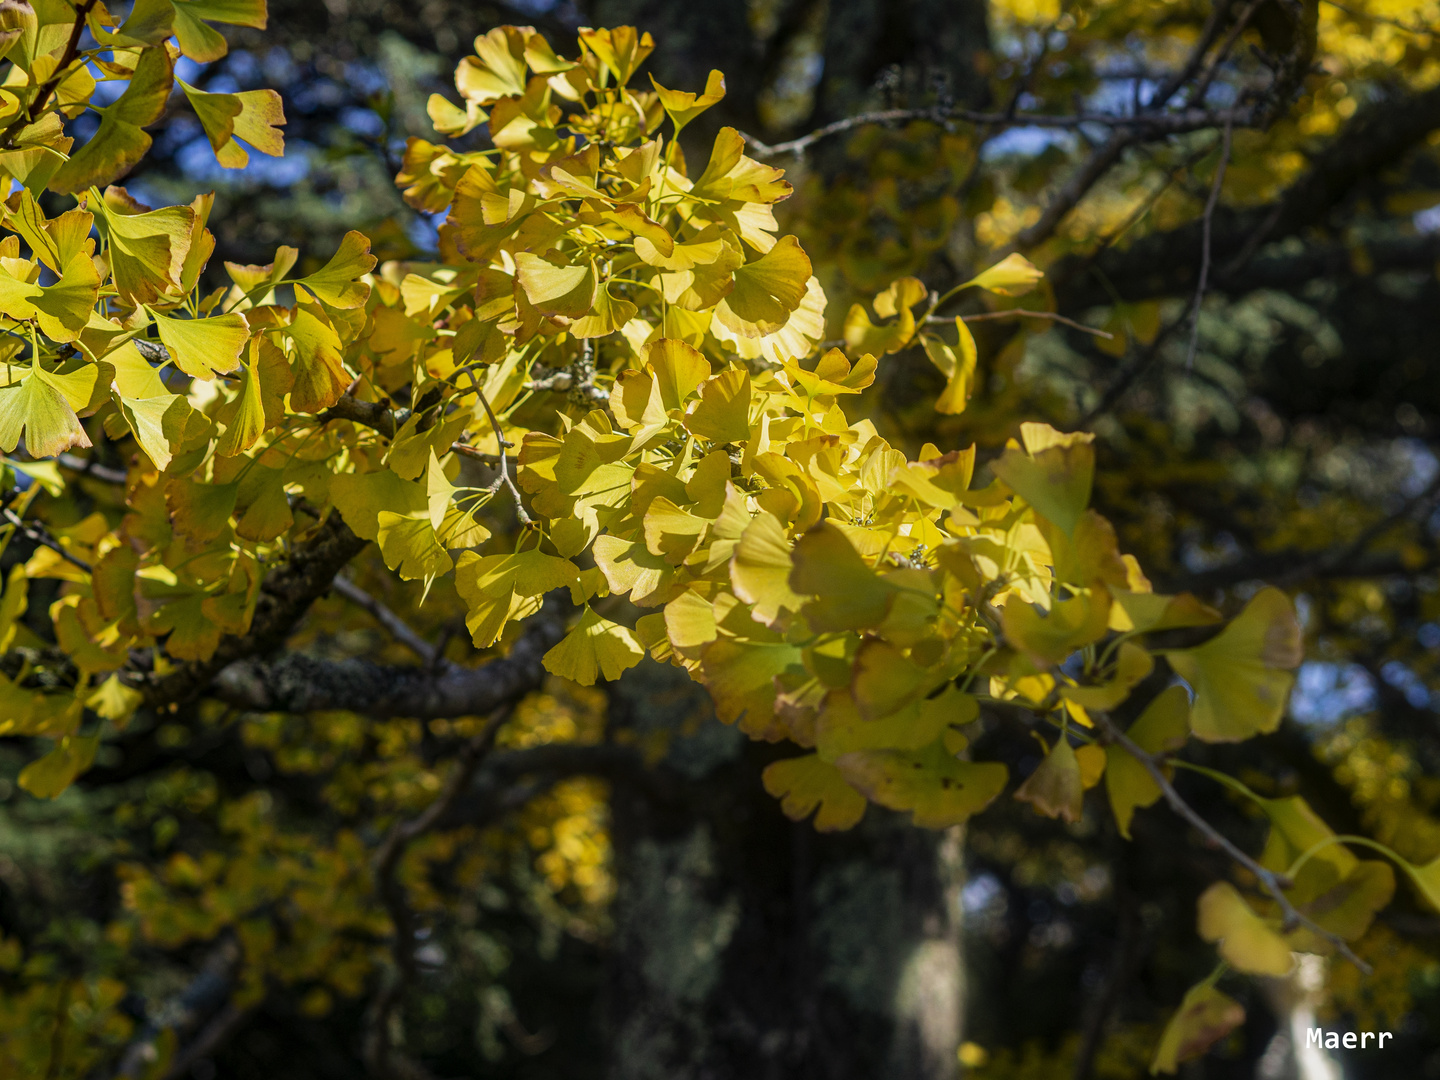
(371, 414)
(502, 464)
(91, 467)
(294, 682)
(1024, 313)
(378, 1048)
(1153, 125)
(1273, 883)
(393, 624)
(38, 533)
(62, 71)
(1210, 205)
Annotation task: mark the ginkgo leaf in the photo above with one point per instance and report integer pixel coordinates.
(567, 291)
(147, 249)
(1205, 1016)
(761, 567)
(682, 106)
(245, 422)
(62, 310)
(48, 776)
(337, 282)
(1069, 625)
(741, 679)
(410, 548)
(690, 621)
(255, 116)
(1163, 727)
(202, 347)
(1242, 676)
(595, 646)
(203, 43)
(1244, 939)
(45, 403)
(766, 291)
(621, 49)
(804, 783)
(937, 788)
(607, 316)
(496, 70)
(361, 496)
(114, 701)
(318, 360)
(119, 142)
(1055, 788)
(1053, 474)
(1013, 275)
(957, 364)
(723, 412)
(849, 595)
(679, 371)
(1132, 664)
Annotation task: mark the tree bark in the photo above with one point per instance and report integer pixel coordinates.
(750, 946)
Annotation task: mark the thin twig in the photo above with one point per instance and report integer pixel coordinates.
(479, 455)
(39, 534)
(378, 1050)
(62, 71)
(503, 480)
(1052, 316)
(1209, 217)
(1273, 883)
(393, 624)
(91, 467)
(1171, 123)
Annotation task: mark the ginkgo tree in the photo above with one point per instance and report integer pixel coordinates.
(609, 415)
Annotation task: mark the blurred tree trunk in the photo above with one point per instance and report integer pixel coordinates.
(750, 946)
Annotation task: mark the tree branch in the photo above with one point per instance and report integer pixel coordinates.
(294, 682)
(1273, 883)
(378, 1049)
(285, 595)
(395, 626)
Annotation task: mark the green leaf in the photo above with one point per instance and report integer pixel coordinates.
(1204, 1018)
(1163, 726)
(62, 310)
(119, 143)
(252, 115)
(937, 788)
(804, 783)
(45, 403)
(202, 347)
(147, 249)
(1053, 473)
(1245, 941)
(337, 282)
(410, 548)
(723, 413)
(47, 777)
(594, 646)
(203, 43)
(766, 291)
(760, 569)
(1242, 676)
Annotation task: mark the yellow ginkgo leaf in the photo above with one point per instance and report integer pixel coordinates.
(849, 595)
(252, 115)
(48, 776)
(682, 106)
(496, 70)
(938, 789)
(1013, 275)
(741, 679)
(679, 371)
(621, 49)
(1069, 625)
(337, 283)
(1055, 788)
(202, 347)
(63, 310)
(147, 247)
(45, 405)
(766, 291)
(1053, 473)
(1204, 1018)
(119, 142)
(804, 783)
(1162, 727)
(957, 364)
(1244, 939)
(723, 412)
(410, 547)
(566, 291)
(760, 569)
(1242, 676)
(594, 647)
